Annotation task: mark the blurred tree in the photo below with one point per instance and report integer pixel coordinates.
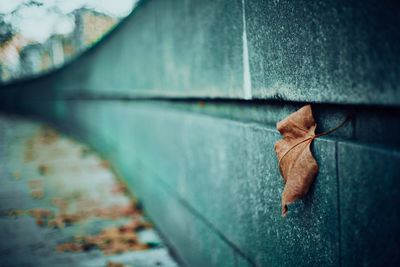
(6, 30)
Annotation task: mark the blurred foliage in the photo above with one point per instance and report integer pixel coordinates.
(6, 30)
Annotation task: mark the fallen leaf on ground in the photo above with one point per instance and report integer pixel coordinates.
(29, 151)
(114, 212)
(71, 247)
(113, 240)
(35, 184)
(105, 164)
(41, 215)
(43, 169)
(36, 187)
(47, 135)
(119, 188)
(37, 194)
(62, 220)
(61, 204)
(115, 264)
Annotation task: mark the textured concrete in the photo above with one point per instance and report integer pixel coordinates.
(160, 59)
(324, 51)
(75, 179)
(321, 51)
(196, 243)
(369, 201)
(229, 177)
(224, 172)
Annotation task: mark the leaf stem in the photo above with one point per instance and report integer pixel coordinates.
(311, 138)
(348, 117)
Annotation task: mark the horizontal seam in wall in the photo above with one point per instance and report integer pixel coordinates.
(263, 127)
(198, 215)
(377, 148)
(271, 129)
(216, 99)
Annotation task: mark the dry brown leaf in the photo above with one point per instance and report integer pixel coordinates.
(47, 135)
(119, 188)
(43, 169)
(63, 217)
(35, 184)
(296, 162)
(72, 247)
(62, 220)
(105, 164)
(29, 151)
(115, 264)
(36, 187)
(41, 213)
(61, 204)
(111, 240)
(37, 194)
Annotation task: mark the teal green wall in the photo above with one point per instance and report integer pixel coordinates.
(206, 171)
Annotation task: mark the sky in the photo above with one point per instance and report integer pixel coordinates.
(39, 23)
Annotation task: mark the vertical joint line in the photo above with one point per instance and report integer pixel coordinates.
(338, 204)
(246, 64)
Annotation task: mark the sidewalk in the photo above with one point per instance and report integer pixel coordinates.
(61, 205)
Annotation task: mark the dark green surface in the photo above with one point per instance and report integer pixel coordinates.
(230, 177)
(211, 164)
(319, 51)
(369, 201)
(325, 51)
(225, 171)
(196, 243)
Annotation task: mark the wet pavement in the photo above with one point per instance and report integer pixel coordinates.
(62, 205)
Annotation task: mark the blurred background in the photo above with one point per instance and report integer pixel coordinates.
(37, 36)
